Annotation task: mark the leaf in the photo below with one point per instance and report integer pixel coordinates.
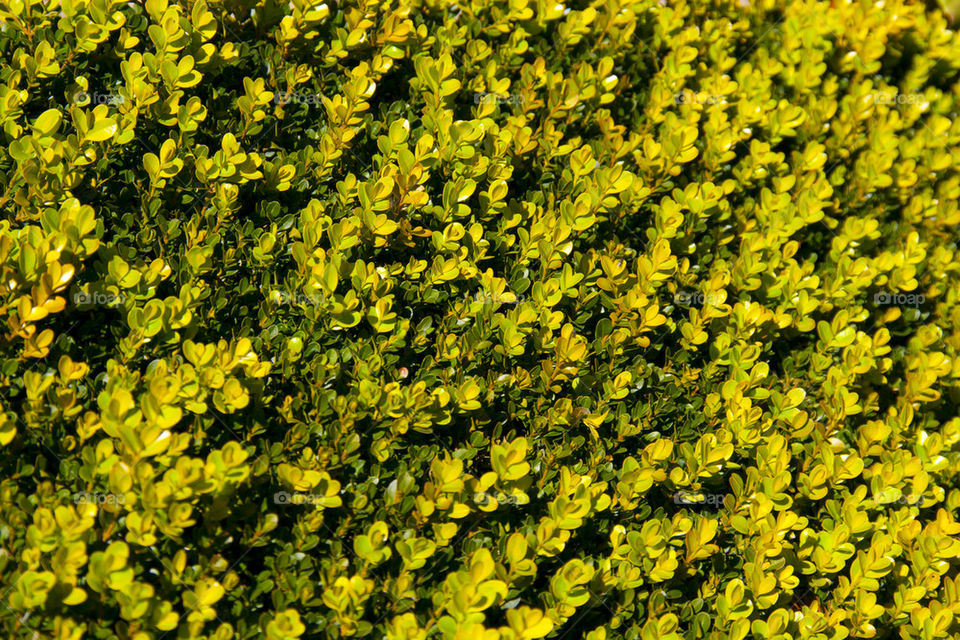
(101, 130)
(47, 122)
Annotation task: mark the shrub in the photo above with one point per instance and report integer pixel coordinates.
(483, 320)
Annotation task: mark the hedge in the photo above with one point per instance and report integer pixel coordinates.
(507, 320)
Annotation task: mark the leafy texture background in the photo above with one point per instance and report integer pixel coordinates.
(488, 320)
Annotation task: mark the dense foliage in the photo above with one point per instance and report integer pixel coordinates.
(492, 320)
